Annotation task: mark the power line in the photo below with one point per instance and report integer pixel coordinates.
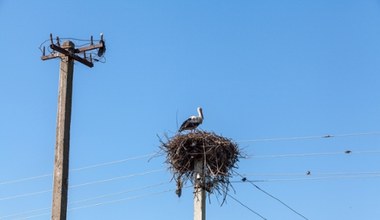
(241, 141)
(105, 203)
(24, 213)
(119, 193)
(310, 137)
(38, 215)
(152, 154)
(79, 169)
(273, 197)
(330, 174)
(25, 195)
(121, 200)
(89, 199)
(24, 179)
(114, 162)
(277, 199)
(242, 204)
(313, 154)
(116, 178)
(314, 178)
(84, 184)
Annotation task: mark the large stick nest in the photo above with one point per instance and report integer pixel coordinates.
(218, 154)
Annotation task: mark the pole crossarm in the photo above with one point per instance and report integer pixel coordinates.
(73, 53)
(50, 56)
(91, 47)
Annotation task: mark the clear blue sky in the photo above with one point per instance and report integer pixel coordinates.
(260, 69)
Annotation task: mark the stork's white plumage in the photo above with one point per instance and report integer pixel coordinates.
(192, 122)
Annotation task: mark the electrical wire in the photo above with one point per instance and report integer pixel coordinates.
(77, 39)
(331, 174)
(313, 154)
(80, 168)
(101, 59)
(113, 162)
(313, 178)
(34, 216)
(270, 195)
(40, 47)
(24, 179)
(23, 213)
(119, 193)
(242, 204)
(273, 197)
(328, 175)
(68, 38)
(25, 195)
(89, 199)
(106, 203)
(241, 141)
(120, 200)
(279, 201)
(116, 178)
(153, 154)
(83, 184)
(310, 137)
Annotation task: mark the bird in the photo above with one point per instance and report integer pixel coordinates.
(193, 121)
(178, 191)
(102, 49)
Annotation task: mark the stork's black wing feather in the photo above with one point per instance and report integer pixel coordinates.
(189, 124)
(185, 124)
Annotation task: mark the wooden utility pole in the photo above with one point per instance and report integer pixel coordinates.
(68, 53)
(199, 192)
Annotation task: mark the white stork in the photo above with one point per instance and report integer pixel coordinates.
(192, 122)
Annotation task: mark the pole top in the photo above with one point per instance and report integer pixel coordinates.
(68, 45)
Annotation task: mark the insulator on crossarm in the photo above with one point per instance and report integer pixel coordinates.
(102, 50)
(51, 38)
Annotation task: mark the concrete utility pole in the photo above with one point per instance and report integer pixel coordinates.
(199, 192)
(62, 144)
(67, 53)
